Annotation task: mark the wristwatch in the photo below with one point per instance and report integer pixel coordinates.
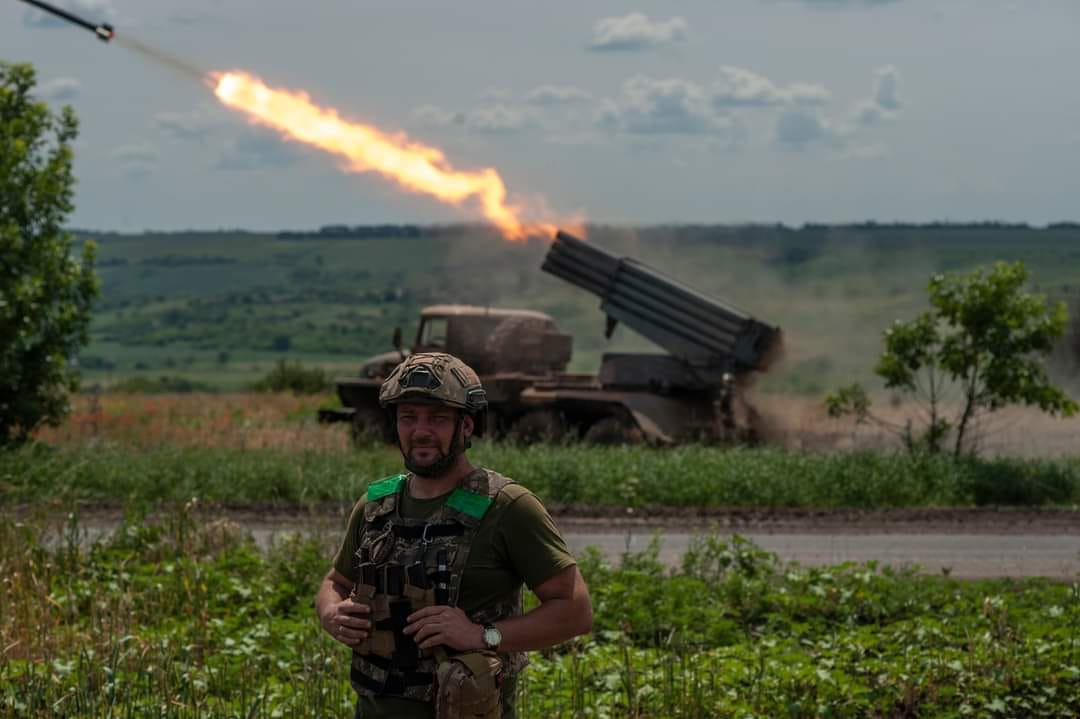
(492, 637)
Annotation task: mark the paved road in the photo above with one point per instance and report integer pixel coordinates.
(963, 555)
(987, 544)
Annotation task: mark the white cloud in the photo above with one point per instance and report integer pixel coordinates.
(636, 32)
(548, 95)
(94, 11)
(59, 89)
(738, 87)
(671, 106)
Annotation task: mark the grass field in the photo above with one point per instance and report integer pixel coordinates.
(220, 307)
(267, 448)
(188, 620)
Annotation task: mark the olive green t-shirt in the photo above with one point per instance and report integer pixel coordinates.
(516, 543)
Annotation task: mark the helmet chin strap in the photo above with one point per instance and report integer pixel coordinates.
(442, 465)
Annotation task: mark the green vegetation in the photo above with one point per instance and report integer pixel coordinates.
(294, 377)
(336, 297)
(163, 384)
(692, 476)
(45, 293)
(985, 338)
(187, 620)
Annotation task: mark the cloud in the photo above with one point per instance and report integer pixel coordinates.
(254, 151)
(499, 118)
(796, 129)
(671, 106)
(550, 95)
(59, 89)
(93, 10)
(193, 126)
(137, 159)
(886, 82)
(884, 103)
(845, 3)
(738, 87)
(636, 32)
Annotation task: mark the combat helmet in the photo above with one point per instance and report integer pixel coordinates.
(437, 378)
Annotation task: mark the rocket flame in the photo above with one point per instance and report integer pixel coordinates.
(412, 165)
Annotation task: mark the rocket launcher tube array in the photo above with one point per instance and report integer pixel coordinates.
(697, 329)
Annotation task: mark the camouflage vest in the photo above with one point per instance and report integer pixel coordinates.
(406, 564)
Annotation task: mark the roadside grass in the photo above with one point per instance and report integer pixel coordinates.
(187, 619)
(589, 477)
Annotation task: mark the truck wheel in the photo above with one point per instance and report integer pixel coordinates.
(613, 430)
(367, 426)
(538, 426)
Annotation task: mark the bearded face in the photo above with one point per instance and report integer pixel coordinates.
(430, 438)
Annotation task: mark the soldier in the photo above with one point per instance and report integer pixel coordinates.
(427, 585)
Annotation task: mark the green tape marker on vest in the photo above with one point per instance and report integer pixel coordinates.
(470, 503)
(390, 485)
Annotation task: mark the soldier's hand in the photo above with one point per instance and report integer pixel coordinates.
(345, 622)
(432, 626)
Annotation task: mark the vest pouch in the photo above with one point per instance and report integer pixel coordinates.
(468, 687)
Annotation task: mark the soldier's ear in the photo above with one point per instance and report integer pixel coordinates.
(468, 425)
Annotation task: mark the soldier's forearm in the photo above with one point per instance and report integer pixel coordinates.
(554, 621)
(330, 593)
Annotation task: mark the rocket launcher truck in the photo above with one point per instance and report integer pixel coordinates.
(692, 393)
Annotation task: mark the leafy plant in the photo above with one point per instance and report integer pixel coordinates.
(45, 293)
(983, 337)
(294, 377)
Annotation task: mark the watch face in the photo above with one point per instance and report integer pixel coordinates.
(492, 637)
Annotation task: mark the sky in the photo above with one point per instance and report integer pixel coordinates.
(739, 111)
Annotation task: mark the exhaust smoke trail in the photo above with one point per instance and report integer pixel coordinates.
(411, 165)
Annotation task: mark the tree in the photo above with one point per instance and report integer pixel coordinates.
(45, 293)
(983, 339)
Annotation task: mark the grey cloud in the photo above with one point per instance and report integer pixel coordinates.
(549, 95)
(499, 118)
(886, 83)
(884, 103)
(671, 106)
(253, 151)
(738, 87)
(59, 89)
(844, 3)
(796, 129)
(433, 116)
(137, 159)
(636, 32)
(93, 10)
(195, 125)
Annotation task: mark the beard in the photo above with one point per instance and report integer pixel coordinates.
(435, 468)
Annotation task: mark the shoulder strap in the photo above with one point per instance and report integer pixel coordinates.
(382, 497)
(469, 502)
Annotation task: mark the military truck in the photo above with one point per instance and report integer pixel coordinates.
(690, 394)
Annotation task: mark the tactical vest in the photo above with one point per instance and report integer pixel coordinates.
(403, 565)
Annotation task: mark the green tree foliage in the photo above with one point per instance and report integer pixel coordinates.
(45, 293)
(294, 377)
(983, 339)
